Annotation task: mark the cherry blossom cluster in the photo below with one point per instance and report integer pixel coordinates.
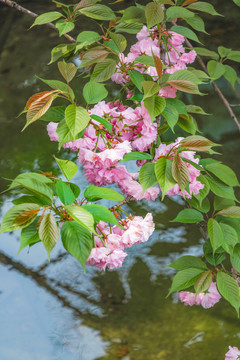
(109, 246)
(148, 43)
(233, 353)
(206, 300)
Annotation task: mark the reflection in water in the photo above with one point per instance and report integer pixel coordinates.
(54, 311)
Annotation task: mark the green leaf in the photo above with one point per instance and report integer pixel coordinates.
(102, 121)
(8, 221)
(234, 56)
(77, 118)
(194, 109)
(235, 258)
(64, 26)
(203, 283)
(224, 173)
(55, 114)
(230, 237)
(223, 52)
(188, 261)
(206, 52)
(229, 289)
(203, 206)
(68, 70)
(222, 203)
(220, 189)
(48, 232)
(155, 105)
(204, 7)
(101, 213)
(83, 217)
(196, 23)
(94, 193)
(98, 12)
(132, 28)
(178, 104)
(59, 85)
(136, 78)
(77, 241)
(237, 2)
(94, 92)
(40, 200)
(154, 14)
(150, 88)
(75, 189)
(86, 38)
(104, 70)
(147, 177)
(47, 18)
(188, 124)
(65, 135)
(232, 211)
(145, 60)
(203, 192)
(29, 235)
(182, 30)
(61, 50)
(36, 183)
(230, 75)
(119, 40)
(178, 12)
(215, 69)
(184, 279)
(163, 171)
(189, 216)
(170, 113)
(68, 168)
(215, 234)
(136, 155)
(134, 14)
(64, 192)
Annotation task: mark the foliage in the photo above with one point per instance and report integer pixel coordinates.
(107, 134)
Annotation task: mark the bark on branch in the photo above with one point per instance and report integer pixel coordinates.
(216, 88)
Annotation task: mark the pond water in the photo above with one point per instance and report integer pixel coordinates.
(54, 311)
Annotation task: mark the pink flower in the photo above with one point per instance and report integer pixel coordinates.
(108, 156)
(52, 131)
(206, 300)
(232, 354)
(187, 297)
(102, 257)
(138, 230)
(168, 92)
(210, 298)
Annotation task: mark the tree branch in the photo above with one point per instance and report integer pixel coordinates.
(216, 88)
(18, 7)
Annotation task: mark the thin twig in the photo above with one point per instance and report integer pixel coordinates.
(235, 105)
(14, 5)
(127, 199)
(216, 88)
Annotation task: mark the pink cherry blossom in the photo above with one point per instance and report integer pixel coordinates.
(137, 230)
(52, 131)
(187, 297)
(206, 300)
(233, 353)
